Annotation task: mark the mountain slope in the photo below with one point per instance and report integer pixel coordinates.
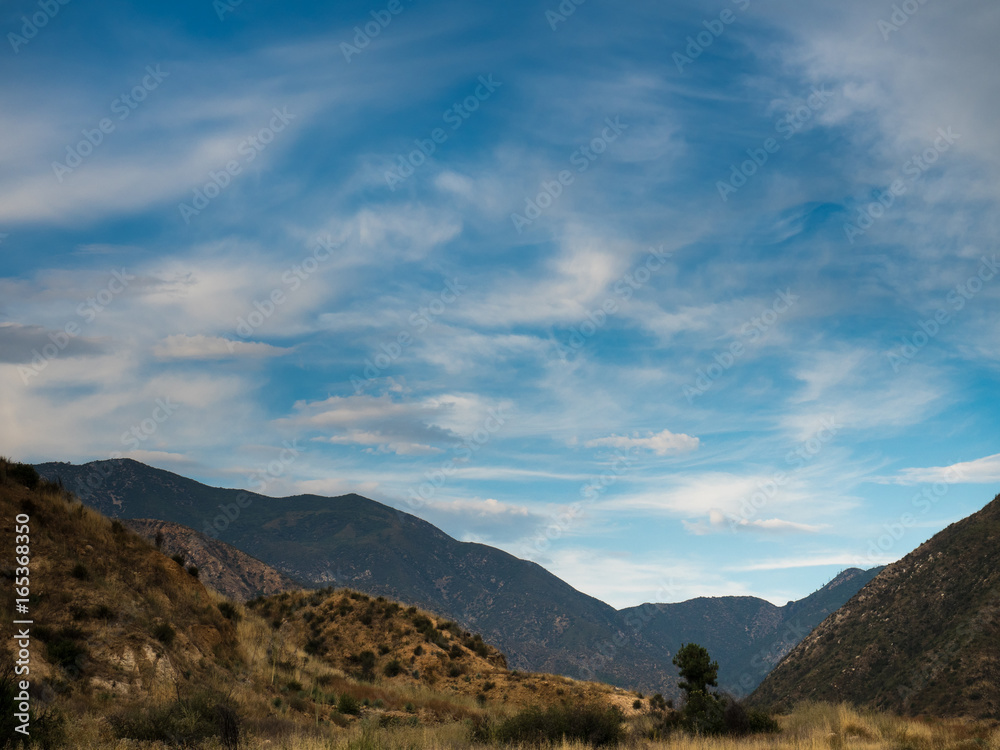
(232, 573)
(922, 638)
(126, 645)
(747, 635)
(538, 620)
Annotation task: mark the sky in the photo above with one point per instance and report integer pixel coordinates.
(675, 299)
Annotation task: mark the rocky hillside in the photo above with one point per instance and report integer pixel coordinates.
(921, 638)
(234, 574)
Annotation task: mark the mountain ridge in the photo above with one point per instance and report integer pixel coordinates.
(540, 621)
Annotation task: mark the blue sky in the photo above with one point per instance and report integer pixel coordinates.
(675, 299)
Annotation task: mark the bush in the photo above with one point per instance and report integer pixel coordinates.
(348, 704)
(179, 559)
(193, 571)
(23, 474)
(80, 572)
(740, 720)
(393, 668)
(164, 633)
(366, 660)
(595, 725)
(180, 723)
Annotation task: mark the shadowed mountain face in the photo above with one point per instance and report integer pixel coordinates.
(538, 620)
(922, 638)
(746, 635)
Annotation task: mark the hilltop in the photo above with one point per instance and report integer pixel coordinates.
(921, 638)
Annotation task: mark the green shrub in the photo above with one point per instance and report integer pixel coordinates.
(595, 725)
(80, 572)
(179, 559)
(348, 704)
(193, 571)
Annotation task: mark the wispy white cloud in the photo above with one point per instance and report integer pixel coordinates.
(664, 443)
(200, 347)
(980, 471)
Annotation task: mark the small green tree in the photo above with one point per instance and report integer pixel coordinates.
(696, 668)
(703, 710)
